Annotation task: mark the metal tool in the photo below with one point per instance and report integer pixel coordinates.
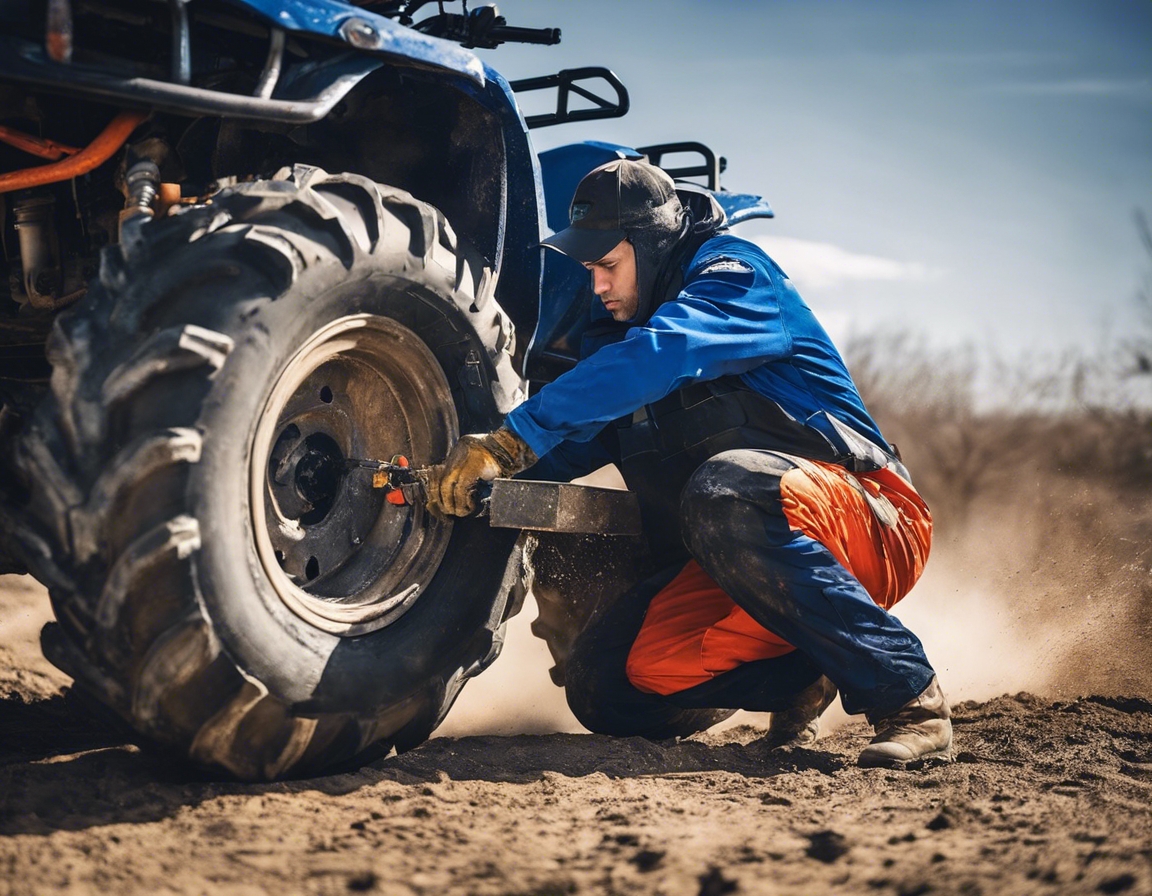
(563, 507)
(520, 503)
(392, 475)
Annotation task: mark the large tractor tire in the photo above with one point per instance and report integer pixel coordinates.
(221, 578)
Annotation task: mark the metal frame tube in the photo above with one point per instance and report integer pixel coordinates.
(181, 42)
(271, 73)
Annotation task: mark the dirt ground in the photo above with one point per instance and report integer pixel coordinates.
(1045, 797)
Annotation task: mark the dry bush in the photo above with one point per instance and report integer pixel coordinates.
(1041, 497)
(1033, 425)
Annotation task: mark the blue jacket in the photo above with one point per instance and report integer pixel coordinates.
(737, 313)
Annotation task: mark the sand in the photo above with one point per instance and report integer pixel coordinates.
(1046, 796)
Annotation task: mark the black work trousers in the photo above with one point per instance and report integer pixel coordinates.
(787, 582)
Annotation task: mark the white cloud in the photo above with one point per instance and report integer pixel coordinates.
(1121, 87)
(815, 265)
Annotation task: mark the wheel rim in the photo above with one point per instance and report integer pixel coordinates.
(336, 552)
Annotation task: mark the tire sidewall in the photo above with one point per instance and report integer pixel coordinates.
(452, 619)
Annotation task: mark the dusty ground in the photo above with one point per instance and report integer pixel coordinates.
(1046, 797)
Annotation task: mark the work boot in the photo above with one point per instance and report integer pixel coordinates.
(799, 724)
(920, 729)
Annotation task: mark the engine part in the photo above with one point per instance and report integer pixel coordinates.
(141, 185)
(39, 249)
(37, 146)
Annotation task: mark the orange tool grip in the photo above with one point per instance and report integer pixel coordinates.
(396, 496)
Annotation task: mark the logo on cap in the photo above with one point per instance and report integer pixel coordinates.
(579, 211)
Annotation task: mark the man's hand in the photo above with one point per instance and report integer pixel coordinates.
(452, 484)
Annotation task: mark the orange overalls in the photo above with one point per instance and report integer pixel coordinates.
(874, 524)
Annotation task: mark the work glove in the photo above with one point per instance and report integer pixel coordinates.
(452, 484)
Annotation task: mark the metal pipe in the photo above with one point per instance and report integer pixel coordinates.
(271, 74)
(181, 42)
(319, 92)
(91, 156)
(37, 146)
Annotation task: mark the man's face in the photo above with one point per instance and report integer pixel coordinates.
(614, 281)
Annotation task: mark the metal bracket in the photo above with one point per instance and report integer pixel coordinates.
(711, 168)
(566, 83)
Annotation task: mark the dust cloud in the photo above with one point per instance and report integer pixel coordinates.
(988, 630)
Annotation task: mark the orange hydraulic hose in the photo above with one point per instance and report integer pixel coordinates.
(94, 154)
(37, 146)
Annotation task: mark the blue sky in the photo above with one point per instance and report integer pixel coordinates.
(964, 170)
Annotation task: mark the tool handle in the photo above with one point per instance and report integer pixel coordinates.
(483, 489)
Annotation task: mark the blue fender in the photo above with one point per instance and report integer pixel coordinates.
(365, 31)
(516, 256)
(514, 247)
(741, 207)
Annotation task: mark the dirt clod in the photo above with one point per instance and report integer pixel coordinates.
(826, 846)
(362, 882)
(648, 859)
(1119, 884)
(714, 883)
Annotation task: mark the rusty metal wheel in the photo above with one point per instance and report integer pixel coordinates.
(336, 552)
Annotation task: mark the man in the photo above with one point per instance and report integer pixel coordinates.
(780, 524)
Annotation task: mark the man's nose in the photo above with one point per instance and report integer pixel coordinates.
(599, 282)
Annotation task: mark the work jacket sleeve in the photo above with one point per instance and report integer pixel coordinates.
(568, 461)
(726, 320)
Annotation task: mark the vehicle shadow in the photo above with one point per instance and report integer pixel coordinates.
(34, 730)
(525, 758)
(63, 767)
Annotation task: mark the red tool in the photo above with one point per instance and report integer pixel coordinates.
(392, 475)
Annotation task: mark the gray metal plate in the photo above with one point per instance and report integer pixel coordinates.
(563, 507)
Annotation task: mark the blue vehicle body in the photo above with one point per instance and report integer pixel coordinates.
(451, 133)
(366, 30)
(565, 297)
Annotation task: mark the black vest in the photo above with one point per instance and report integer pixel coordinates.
(660, 446)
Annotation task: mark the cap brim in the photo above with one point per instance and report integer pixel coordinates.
(585, 244)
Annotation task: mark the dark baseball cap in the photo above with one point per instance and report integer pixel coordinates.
(612, 200)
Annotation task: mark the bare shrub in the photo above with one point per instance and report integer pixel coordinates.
(1042, 495)
(1140, 345)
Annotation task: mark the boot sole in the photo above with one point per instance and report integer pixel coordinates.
(918, 762)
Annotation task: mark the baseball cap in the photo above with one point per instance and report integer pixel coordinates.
(621, 196)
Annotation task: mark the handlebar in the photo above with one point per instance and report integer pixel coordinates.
(513, 34)
(484, 28)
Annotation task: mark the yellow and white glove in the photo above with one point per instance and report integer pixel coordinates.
(452, 484)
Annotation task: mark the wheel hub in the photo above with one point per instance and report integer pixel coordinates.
(304, 474)
(336, 553)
